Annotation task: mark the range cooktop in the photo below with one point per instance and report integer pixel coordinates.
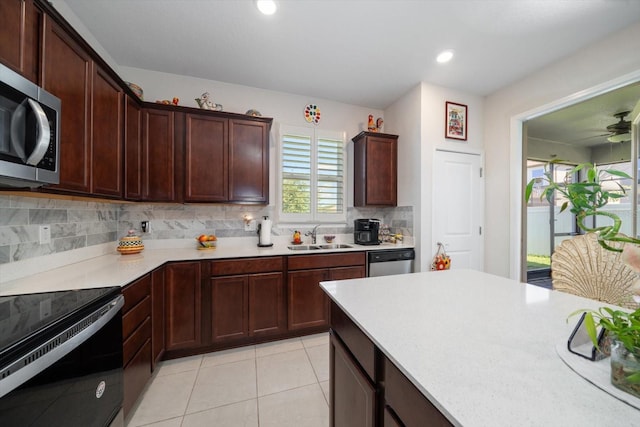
(24, 316)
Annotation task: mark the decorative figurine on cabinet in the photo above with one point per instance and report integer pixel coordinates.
(207, 104)
(379, 123)
(371, 126)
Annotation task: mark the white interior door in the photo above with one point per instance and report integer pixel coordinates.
(458, 208)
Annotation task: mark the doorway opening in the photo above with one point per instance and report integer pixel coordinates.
(584, 132)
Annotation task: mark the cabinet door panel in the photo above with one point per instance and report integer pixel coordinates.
(352, 396)
(381, 171)
(182, 305)
(248, 161)
(407, 402)
(67, 74)
(135, 377)
(266, 304)
(229, 302)
(133, 150)
(158, 156)
(20, 23)
(106, 138)
(308, 306)
(206, 169)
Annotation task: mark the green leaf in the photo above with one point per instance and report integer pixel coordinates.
(633, 378)
(590, 325)
(529, 190)
(621, 174)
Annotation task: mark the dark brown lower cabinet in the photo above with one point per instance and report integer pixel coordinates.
(229, 308)
(389, 418)
(182, 291)
(136, 339)
(353, 396)
(408, 404)
(366, 388)
(266, 304)
(247, 305)
(308, 305)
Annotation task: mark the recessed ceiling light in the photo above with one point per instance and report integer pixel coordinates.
(444, 56)
(268, 7)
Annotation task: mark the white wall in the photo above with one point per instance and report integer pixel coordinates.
(609, 62)
(404, 120)
(422, 136)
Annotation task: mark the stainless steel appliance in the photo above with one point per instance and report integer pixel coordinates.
(29, 132)
(61, 358)
(389, 262)
(365, 231)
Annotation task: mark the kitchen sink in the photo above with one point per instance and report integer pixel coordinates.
(335, 246)
(303, 247)
(318, 247)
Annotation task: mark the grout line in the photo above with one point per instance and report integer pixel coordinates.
(186, 407)
(257, 397)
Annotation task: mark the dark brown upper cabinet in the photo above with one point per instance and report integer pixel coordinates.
(20, 37)
(226, 158)
(159, 155)
(67, 74)
(375, 171)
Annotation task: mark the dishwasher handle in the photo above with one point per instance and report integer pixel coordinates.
(391, 255)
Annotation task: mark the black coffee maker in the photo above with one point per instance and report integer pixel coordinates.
(365, 231)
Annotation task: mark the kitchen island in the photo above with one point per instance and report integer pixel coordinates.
(481, 349)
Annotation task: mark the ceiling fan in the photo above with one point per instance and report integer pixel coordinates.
(620, 131)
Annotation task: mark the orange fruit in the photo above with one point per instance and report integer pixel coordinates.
(202, 238)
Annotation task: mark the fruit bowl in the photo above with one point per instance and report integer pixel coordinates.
(207, 241)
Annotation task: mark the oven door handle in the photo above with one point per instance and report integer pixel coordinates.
(37, 360)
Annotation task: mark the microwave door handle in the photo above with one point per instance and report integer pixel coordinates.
(44, 134)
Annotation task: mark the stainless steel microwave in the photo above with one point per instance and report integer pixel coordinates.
(29, 133)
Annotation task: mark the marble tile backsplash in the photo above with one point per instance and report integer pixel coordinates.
(81, 224)
(73, 225)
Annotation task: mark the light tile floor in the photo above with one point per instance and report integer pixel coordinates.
(282, 383)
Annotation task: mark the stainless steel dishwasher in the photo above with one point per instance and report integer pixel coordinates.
(388, 262)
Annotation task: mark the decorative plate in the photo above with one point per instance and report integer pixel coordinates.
(312, 114)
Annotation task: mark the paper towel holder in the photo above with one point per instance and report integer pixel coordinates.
(260, 244)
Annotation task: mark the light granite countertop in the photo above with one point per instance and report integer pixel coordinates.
(481, 347)
(104, 267)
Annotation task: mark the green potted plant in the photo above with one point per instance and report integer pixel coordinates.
(624, 330)
(586, 199)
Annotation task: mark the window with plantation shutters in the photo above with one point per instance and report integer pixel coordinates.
(312, 175)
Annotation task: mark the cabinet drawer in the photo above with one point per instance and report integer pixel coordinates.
(136, 340)
(355, 340)
(135, 316)
(247, 266)
(409, 404)
(136, 375)
(302, 262)
(135, 292)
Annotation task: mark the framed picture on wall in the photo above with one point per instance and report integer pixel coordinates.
(456, 121)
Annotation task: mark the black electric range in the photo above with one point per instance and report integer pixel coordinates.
(61, 357)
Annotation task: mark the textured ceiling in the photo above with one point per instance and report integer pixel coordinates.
(366, 53)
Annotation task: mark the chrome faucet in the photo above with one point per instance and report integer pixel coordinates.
(312, 233)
